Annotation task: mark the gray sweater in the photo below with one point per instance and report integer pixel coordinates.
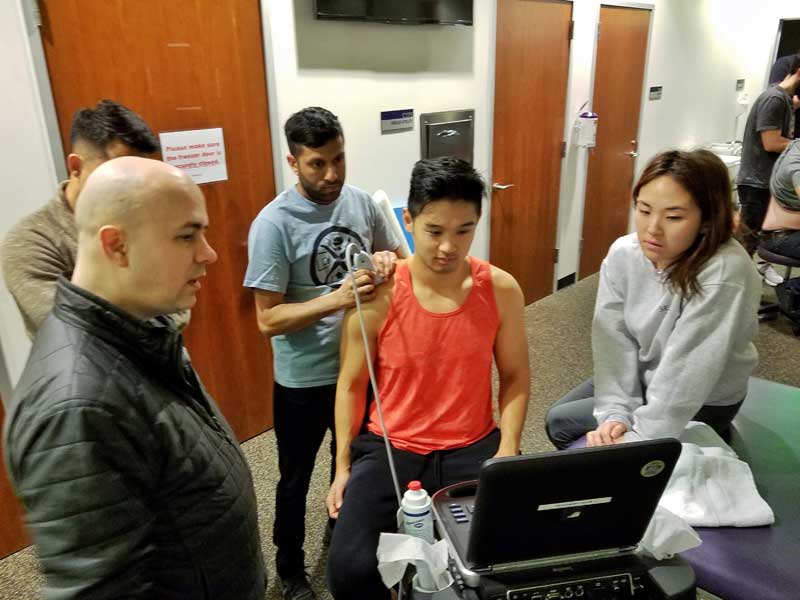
(658, 358)
(36, 252)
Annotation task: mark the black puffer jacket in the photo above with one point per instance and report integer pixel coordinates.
(132, 481)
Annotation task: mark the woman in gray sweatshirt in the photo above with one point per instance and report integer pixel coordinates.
(675, 317)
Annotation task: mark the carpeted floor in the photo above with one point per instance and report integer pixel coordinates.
(560, 357)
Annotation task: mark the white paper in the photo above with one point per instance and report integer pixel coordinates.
(198, 152)
(397, 550)
(668, 534)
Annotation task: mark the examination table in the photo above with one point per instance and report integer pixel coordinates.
(758, 563)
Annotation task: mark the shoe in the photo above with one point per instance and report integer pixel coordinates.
(769, 274)
(296, 587)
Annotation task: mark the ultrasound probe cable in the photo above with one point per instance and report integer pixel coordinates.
(349, 251)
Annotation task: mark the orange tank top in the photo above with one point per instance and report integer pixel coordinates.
(435, 370)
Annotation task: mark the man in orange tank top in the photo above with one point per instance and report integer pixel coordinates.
(433, 331)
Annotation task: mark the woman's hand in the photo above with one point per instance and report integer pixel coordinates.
(608, 433)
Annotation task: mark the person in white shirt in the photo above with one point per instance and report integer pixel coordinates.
(675, 317)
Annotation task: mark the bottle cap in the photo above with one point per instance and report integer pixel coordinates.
(414, 486)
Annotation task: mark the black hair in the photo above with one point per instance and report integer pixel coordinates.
(444, 178)
(312, 127)
(101, 125)
(795, 64)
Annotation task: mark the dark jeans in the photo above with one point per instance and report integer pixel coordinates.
(370, 505)
(754, 202)
(785, 243)
(571, 417)
(302, 415)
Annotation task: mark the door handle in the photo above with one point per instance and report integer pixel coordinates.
(632, 154)
(502, 186)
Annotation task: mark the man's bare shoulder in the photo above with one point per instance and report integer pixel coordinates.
(504, 282)
(376, 310)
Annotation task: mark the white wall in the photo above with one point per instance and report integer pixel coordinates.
(698, 49)
(28, 166)
(357, 70)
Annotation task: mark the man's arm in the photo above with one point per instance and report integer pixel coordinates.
(511, 356)
(351, 387)
(770, 120)
(84, 486)
(773, 141)
(276, 317)
(31, 267)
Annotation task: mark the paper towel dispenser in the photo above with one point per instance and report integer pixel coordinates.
(447, 133)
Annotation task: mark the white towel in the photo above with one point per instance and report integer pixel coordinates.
(711, 487)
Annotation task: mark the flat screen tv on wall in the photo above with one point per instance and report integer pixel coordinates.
(411, 12)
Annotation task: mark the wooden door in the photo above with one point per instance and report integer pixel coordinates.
(532, 62)
(619, 73)
(12, 532)
(188, 65)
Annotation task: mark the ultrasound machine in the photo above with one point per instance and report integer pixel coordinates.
(562, 525)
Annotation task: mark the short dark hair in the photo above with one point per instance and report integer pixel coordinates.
(795, 64)
(312, 127)
(107, 121)
(707, 180)
(444, 178)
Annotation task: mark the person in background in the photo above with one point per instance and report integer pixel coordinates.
(780, 69)
(675, 317)
(297, 272)
(769, 129)
(42, 246)
(433, 331)
(780, 230)
(132, 482)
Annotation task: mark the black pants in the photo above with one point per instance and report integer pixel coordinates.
(785, 242)
(754, 202)
(302, 415)
(370, 506)
(571, 416)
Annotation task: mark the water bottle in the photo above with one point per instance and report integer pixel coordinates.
(417, 516)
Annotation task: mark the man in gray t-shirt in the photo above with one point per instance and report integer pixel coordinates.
(767, 132)
(785, 180)
(782, 227)
(297, 271)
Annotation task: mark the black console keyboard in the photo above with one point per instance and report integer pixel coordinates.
(613, 587)
(631, 585)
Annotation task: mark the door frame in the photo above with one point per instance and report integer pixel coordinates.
(642, 104)
(775, 45)
(33, 24)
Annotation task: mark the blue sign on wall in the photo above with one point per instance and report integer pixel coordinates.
(397, 120)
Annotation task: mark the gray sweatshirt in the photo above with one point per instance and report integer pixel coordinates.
(659, 358)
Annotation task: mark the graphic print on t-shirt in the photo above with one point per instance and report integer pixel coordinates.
(328, 266)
